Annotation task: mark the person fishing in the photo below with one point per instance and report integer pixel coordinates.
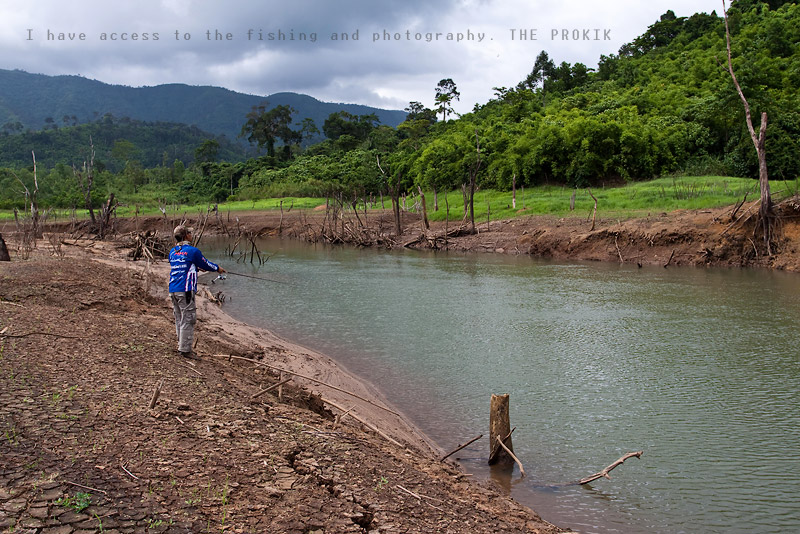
(184, 261)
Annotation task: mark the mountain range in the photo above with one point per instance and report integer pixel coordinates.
(36, 101)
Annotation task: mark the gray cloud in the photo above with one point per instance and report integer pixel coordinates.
(386, 73)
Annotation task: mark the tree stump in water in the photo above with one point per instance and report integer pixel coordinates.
(499, 427)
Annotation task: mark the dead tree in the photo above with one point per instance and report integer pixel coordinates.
(394, 192)
(85, 179)
(109, 207)
(4, 256)
(473, 175)
(30, 234)
(765, 213)
(424, 209)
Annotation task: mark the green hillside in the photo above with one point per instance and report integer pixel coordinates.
(30, 99)
(117, 141)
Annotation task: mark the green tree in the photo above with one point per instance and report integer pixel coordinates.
(543, 70)
(342, 123)
(446, 92)
(207, 152)
(265, 127)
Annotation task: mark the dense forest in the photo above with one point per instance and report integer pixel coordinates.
(117, 143)
(664, 105)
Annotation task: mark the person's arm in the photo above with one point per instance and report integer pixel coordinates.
(202, 263)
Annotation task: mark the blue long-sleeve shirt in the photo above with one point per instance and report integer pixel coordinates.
(184, 261)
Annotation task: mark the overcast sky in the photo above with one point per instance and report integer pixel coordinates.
(397, 51)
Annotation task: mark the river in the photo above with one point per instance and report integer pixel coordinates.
(699, 368)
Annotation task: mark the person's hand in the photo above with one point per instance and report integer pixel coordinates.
(220, 270)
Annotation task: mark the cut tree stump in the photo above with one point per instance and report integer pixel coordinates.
(500, 431)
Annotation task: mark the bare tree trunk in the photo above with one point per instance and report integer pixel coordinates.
(4, 256)
(37, 231)
(435, 199)
(472, 179)
(395, 194)
(424, 209)
(759, 141)
(514, 191)
(594, 212)
(106, 213)
(354, 205)
(446, 220)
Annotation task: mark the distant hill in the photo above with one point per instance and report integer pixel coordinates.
(32, 99)
(115, 142)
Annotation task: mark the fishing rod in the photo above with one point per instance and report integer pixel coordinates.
(222, 277)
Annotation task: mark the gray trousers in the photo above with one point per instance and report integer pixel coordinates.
(185, 318)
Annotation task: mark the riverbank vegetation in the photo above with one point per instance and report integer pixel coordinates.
(624, 200)
(663, 107)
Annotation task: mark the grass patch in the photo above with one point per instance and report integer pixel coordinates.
(78, 503)
(635, 199)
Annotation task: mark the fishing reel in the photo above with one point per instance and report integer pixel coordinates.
(219, 277)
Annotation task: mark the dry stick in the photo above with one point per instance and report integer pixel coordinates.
(42, 334)
(420, 497)
(11, 303)
(470, 442)
(363, 422)
(618, 250)
(409, 492)
(594, 212)
(340, 416)
(310, 379)
(740, 218)
(739, 206)
(604, 472)
(670, 259)
(521, 469)
(131, 474)
(85, 487)
(267, 390)
(156, 393)
(192, 369)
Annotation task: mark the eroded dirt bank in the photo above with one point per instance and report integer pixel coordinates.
(84, 343)
(723, 237)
